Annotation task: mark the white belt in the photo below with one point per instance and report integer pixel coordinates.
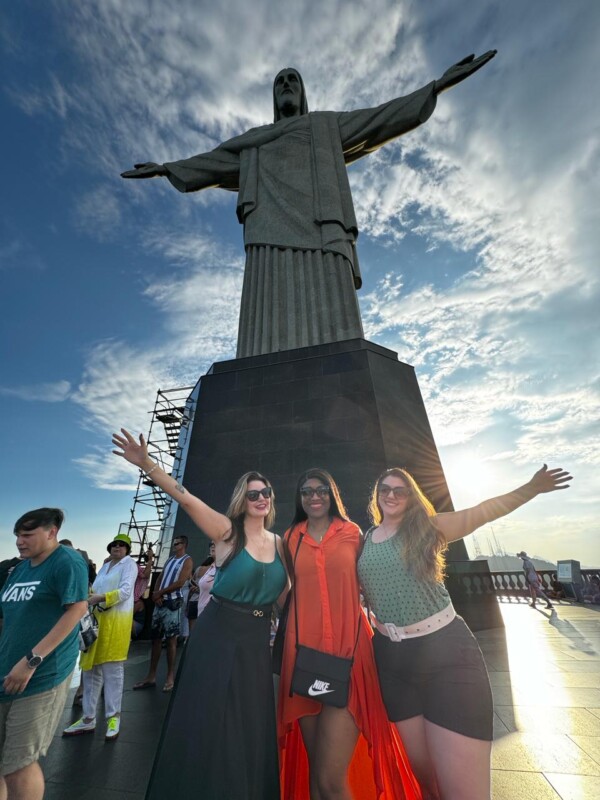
(397, 633)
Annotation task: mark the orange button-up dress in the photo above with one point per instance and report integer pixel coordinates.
(329, 613)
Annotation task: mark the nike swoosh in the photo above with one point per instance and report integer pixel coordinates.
(315, 692)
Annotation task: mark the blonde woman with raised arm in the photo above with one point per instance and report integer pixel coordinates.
(232, 743)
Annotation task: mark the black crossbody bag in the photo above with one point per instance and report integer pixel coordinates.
(321, 676)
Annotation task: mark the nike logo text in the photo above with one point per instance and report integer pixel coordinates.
(319, 687)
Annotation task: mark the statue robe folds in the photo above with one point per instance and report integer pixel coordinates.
(300, 229)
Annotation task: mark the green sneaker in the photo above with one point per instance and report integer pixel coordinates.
(112, 728)
(80, 727)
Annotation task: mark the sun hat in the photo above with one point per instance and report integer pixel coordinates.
(120, 537)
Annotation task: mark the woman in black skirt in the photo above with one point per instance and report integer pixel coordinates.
(226, 738)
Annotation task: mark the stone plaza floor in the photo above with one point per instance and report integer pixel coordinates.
(545, 675)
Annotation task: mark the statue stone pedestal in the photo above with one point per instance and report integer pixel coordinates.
(350, 407)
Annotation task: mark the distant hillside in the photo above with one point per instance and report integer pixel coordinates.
(512, 563)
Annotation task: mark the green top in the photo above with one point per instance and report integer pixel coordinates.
(33, 600)
(393, 592)
(246, 580)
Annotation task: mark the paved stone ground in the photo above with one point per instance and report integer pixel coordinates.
(545, 674)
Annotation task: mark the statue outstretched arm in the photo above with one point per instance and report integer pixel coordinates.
(146, 170)
(461, 70)
(219, 169)
(364, 130)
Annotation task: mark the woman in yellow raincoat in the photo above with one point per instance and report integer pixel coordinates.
(104, 662)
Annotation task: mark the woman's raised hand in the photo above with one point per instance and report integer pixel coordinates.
(130, 450)
(549, 480)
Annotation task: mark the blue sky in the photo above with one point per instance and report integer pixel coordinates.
(478, 245)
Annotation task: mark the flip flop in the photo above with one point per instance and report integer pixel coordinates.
(144, 685)
(168, 687)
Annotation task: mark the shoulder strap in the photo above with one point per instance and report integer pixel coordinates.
(293, 589)
(368, 535)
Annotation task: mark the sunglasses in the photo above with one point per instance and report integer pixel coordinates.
(178, 542)
(254, 494)
(117, 544)
(398, 491)
(320, 491)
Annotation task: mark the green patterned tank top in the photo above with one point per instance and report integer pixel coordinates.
(393, 592)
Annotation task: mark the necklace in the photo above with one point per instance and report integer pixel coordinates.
(317, 535)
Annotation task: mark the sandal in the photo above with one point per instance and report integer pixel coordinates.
(168, 687)
(144, 685)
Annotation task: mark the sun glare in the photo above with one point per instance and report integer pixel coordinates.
(470, 479)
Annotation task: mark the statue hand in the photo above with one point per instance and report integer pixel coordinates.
(146, 170)
(549, 480)
(461, 70)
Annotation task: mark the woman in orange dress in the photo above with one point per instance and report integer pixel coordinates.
(351, 752)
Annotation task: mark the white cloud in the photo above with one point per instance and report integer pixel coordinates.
(53, 98)
(194, 324)
(55, 392)
(108, 471)
(97, 213)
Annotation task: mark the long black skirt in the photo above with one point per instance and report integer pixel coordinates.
(219, 737)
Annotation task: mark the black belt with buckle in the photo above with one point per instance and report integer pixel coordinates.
(243, 608)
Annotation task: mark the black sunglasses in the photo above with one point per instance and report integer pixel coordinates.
(254, 494)
(398, 491)
(320, 491)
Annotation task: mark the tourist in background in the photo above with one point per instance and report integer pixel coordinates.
(557, 590)
(103, 664)
(43, 599)
(201, 586)
(145, 565)
(167, 613)
(532, 579)
(591, 593)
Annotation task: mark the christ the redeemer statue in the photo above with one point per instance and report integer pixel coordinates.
(295, 204)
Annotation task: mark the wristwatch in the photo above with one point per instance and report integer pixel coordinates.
(33, 660)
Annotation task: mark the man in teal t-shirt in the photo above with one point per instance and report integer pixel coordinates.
(42, 601)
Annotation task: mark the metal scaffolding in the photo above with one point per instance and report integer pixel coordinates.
(170, 428)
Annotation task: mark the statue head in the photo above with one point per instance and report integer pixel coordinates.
(289, 95)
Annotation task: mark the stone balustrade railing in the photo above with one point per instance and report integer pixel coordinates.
(510, 585)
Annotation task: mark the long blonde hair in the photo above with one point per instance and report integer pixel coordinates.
(236, 512)
(423, 544)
